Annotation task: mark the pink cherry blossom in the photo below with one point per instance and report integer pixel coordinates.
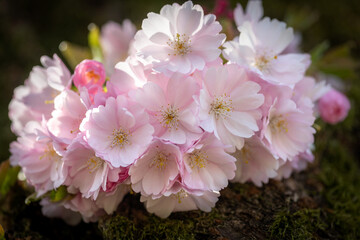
(127, 76)
(180, 199)
(287, 129)
(119, 132)
(297, 164)
(207, 166)
(259, 47)
(34, 152)
(89, 73)
(229, 104)
(19, 113)
(122, 177)
(115, 42)
(57, 210)
(58, 76)
(156, 170)
(90, 212)
(166, 118)
(333, 106)
(36, 98)
(253, 12)
(179, 39)
(172, 109)
(67, 116)
(255, 163)
(310, 88)
(294, 45)
(109, 201)
(87, 172)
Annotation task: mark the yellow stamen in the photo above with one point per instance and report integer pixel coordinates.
(160, 161)
(53, 96)
(180, 195)
(180, 45)
(170, 117)
(94, 163)
(50, 153)
(119, 138)
(245, 154)
(221, 106)
(49, 101)
(197, 159)
(278, 124)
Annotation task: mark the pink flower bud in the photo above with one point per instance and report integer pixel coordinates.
(334, 106)
(89, 73)
(222, 9)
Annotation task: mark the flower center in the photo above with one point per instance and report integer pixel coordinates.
(94, 163)
(180, 45)
(53, 95)
(262, 62)
(160, 161)
(169, 117)
(221, 106)
(91, 76)
(197, 159)
(278, 124)
(245, 154)
(50, 154)
(180, 195)
(119, 138)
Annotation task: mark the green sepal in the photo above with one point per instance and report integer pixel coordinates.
(32, 198)
(58, 194)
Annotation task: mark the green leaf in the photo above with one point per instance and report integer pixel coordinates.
(32, 198)
(8, 177)
(94, 42)
(55, 195)
(58, 194)
(73, 53)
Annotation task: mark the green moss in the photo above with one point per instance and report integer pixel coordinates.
(121, 227)
(187, 225)
(303, 224)
(337, 152)
(239, 188)
(118, 227)
(167, 229)
(340, 175)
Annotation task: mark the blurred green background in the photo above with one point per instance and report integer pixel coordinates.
(30, 29)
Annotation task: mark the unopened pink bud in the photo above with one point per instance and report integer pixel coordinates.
(334, 106)
(89, 73)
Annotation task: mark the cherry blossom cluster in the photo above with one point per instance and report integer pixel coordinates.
(165, 116)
